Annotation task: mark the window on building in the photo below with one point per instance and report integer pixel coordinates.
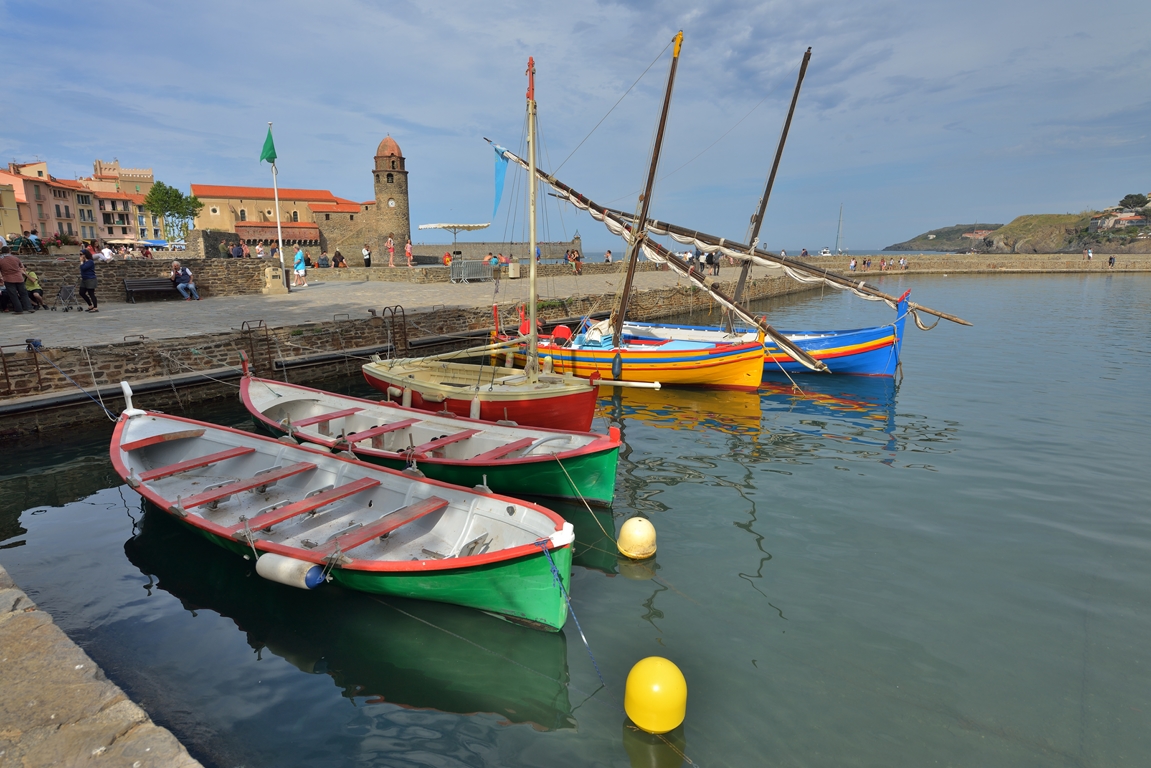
(351, 217)
(36, 189)
(139, 208)
(243, 215)
(327, 217)
(67, 212)
(83, 199)
(40, 174)
(393, 165)
(101, 204)
(141, 221)
(123, 230)
(295, 215)
(40, 210)
(268, 212)
(156, 233)
(58, 214)
(60, 227)
(155, 220)
(391, 178)
(111, 230)
(143, 233)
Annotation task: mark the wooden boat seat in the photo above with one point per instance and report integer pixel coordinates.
(196, 463)
(167, 437)
(383, 429)
(503, 450)
(221, 493)
(433, 445)
(309, 421)
(384, 525)
(309, 504)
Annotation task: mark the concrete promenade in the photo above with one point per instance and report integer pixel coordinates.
(56, 706)
(319, 302)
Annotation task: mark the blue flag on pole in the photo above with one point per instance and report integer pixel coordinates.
(501, 172)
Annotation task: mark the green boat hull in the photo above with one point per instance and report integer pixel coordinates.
(588, 476)
(521, 589)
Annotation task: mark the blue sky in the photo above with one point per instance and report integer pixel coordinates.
(914, 115)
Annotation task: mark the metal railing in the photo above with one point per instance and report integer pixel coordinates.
(471, 271)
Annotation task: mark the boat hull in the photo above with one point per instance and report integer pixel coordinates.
(860, 351)
(569, 411)
(732, 366)
(175, 464)
(590, 477)
(483, 587)
(587, 472)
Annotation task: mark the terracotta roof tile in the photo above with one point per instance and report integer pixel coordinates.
(335, 207)
(262, 193)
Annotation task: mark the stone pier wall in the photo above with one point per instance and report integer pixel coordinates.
(214, 277)
(56, 706)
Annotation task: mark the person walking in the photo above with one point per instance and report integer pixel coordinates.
(12, 271)
(182, 277)
(391, 246)
(577, 262)
(367, 255)
(607, 257)
(88, 281)
(300, 269)
(408, 251)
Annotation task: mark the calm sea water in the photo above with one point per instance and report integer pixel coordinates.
(956, 571)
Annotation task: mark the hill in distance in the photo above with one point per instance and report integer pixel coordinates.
(944, 239)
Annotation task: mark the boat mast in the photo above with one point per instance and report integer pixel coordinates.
(640, 230)
(757, 220)
(532, 365)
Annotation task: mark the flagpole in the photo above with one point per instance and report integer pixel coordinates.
(279, 230)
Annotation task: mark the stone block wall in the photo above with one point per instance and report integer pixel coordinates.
(478, 250)
(214, 277)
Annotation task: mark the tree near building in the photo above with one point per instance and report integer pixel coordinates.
(177, 208)
(1133, 201)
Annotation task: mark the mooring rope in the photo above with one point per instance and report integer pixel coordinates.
(543, 545)
(38, 349)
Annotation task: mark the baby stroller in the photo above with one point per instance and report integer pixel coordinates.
(68, 298)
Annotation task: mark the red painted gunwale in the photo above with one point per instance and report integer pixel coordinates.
(357, 564)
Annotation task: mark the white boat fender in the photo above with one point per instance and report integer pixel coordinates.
(394, 392)
(288, 570)
(406, 400)
(474, 411)
(560, 538)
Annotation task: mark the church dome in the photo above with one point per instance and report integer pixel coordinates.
(388, 147)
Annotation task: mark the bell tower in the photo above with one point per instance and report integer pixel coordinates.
(391, 185)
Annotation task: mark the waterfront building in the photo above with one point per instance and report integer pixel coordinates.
(9, 211)
(316, 216)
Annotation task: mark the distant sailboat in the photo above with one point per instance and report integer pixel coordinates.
(839, 232)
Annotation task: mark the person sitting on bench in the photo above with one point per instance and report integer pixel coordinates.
(182, 277)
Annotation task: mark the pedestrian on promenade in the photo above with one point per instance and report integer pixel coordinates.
(607, 257)
(88, 281)
(246, 251)
(391, 246)
(259, 250)
(716, 260)
(1110, 262)
(300, 268)
(1090, 254)
(12, 271)
(803, 254)
(577, 262)
(237, 250)
(408, 251)
(367, 255)
(182, 277)
(1085, 254)
(851, 264)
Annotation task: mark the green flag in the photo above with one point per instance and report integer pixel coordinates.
(269, 151)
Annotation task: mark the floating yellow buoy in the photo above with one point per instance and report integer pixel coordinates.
(655, 697)
(636, 538)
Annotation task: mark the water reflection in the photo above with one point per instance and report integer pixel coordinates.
(649, 750)
(726, 411)
(856, 409)
(411, 653)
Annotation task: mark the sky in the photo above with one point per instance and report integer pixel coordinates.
(912, 116)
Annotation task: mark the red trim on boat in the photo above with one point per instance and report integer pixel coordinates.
(384, 525)
(247, 484)
(434, 445)
(310, 504)
(326, 417)
(503, 450)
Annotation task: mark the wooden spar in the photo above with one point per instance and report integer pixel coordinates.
(757, 221)
(741, 250)
(782, 341)
(645, 199)
(531, 365)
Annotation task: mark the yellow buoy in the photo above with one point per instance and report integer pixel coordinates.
(655, 696)
(636, 538)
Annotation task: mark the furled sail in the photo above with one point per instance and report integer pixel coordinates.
(619, 223)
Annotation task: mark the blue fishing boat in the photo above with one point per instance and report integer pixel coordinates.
(859, 351)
